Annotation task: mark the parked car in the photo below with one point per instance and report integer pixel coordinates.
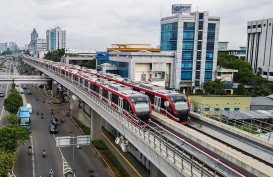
(55, 121)
(28, 92)
(52, 128)
(2, 94)
(21, 90)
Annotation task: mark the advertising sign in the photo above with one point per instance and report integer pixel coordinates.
(181, 8)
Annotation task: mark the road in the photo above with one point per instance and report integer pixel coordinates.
(35, 165)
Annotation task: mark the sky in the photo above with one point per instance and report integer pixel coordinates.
(96, 24)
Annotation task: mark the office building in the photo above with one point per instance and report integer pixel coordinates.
(222, 46)
(34, 35)
(55, 38)
(194, 38)
(259, 46)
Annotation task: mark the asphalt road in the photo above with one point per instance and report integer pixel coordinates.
(85, 158)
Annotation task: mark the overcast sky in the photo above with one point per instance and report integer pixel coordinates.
(96, 24)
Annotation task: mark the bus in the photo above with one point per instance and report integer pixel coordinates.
(24, 117)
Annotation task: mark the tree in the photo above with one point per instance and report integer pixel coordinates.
(13, 119)
(12, 136)
(27, 52)
(90, 64)
(6, 162)
(13, 102)
(214, 87)
(55, 55)
(241, 90)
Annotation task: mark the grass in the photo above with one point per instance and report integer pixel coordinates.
(247, 128)
(108, 156)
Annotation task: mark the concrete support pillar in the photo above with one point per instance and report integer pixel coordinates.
(54, 88)
(38, 73)
(96, 126)
(155, 172)
(74, 105)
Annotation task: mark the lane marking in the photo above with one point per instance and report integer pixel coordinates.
(32, 156)
(135, 170)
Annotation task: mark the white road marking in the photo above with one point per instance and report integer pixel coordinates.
(32, 158)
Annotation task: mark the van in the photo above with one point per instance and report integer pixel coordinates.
(29, 107)
(21, 90)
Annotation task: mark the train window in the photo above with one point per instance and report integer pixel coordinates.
(115, 99)
(126, 105)
(151, 97)
(81, 80)
(181, 105)
(97, 89)
(105, 93)
(162, 103)
(92, 86)
(86, 84)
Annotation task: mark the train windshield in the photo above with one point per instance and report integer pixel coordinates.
(180, 105)
(142, 106)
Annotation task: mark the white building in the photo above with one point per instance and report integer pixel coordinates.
(225, 75)
(155, 67)
(55, 38)
(194, 39)
(77, 56)
(259, 46)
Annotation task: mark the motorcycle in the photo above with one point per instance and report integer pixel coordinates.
(42, 115)
(29, 150)
(51, 173)
(44, 154)
(37, 112)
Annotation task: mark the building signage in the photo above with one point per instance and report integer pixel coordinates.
(181, 8)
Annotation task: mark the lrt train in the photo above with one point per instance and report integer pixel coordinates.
(170, 103)
(174, 105)
(133, 104)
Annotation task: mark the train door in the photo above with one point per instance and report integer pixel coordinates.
(157, 103)
(100, 93)
(109, 98)
(120, 104)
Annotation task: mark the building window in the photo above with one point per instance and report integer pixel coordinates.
(226, 109)
(143, 77)
(168, 36)
(209, 55)
(201, 16)
(200, 25)
(254, 26)
(122, 64)
(270, 73)
(188, 45)
(265, 73)
(216, 109)
(199, 53)
(187, 55)
(200, 35)
(236, 109)
(248, 27)
(199, 45)
(208, 75)
(186, 75)
(259, 26)
(189, 26)
(197, 75)
(264, 25)
(269, 24)
(198, 65)
(197, 83)
(208, 65)
(207, 109)
(186, 65)
(188, 35)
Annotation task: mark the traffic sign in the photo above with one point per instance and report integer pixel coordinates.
(83, 140)
(64, 141)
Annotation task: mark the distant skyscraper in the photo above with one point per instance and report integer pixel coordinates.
(259, 46)
(34, 35)
(194, 38)
(55, 38)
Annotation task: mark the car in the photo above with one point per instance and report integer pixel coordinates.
(21, 90)
(55, 121)
(2, 94)
(28, 92)
(52, 128)
(24, 87)
(29, 107)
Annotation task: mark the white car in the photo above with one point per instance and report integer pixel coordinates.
(29, 107)
(21, 90)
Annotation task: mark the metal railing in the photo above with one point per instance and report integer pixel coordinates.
(163, 146)
(236, 119)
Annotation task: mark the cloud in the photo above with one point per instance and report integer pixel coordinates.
(97, 24)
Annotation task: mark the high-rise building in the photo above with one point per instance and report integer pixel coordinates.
(194, 38)
(259, 46)
(34, 35)
(55, 38)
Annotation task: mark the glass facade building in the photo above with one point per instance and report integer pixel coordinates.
(194, 38)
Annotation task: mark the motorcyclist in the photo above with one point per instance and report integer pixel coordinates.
(52, 111)
(29, 149)
(43, 153)
(37, 112)
(51, 173)
(42, 115)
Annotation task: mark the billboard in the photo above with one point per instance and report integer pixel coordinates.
(181, 8)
